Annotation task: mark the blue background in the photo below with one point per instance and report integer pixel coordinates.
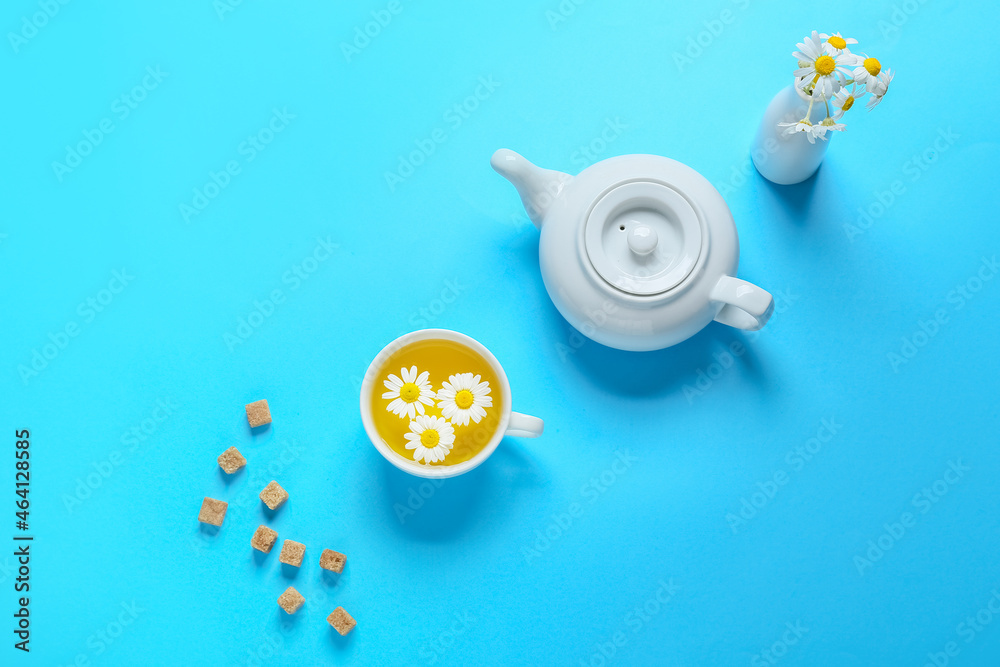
(489, 569)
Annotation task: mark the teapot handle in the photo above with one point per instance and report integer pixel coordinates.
(746, 306)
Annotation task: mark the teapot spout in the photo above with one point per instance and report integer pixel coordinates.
(538, 187)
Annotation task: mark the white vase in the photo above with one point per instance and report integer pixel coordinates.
(782, 158)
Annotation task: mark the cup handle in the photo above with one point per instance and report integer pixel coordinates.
(746, 306)
(524, 426)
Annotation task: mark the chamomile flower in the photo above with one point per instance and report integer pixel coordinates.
(884, 79)
(430, 438)
(464, 397)
(866, 72)
(844, 99)
(837, 42)
(811, 131)
(881, 88)
(410, 394)
(828, 72)
(830, 125)
(821, 68)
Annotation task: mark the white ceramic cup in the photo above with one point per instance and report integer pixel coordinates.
(511, 423)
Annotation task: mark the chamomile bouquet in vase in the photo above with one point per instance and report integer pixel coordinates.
(829, 81)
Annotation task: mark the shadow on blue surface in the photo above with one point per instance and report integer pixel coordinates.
(259, 557)
(332, 579)
(228, 479)
(420, 519)
(208, 530)
(667, 371)
(792, 200)
(260, 434)
(337, 642)
(448, 509)
(286, 621)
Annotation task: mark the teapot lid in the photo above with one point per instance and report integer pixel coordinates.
(643, 237)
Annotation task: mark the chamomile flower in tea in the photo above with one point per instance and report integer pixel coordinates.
(440, 427)
(430, 438)
(463, 397)
(410, 394)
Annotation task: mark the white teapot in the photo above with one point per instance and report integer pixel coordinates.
(637, 252)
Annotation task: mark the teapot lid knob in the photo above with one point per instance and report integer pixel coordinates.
(642, 239)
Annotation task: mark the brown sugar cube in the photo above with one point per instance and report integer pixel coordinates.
(292, 553)
(273, 495)
(231, 460)
(332, 560)
(213, 511)
(258, 413)
(341, 621)
(263, 539)
(290, 600)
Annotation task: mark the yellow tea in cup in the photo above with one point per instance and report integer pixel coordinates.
(436, 402)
